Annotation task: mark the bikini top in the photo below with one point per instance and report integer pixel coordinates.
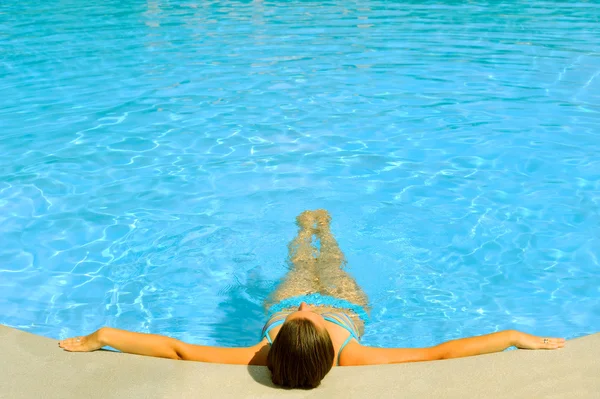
(341, 319)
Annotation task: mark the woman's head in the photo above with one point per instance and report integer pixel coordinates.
(302, 353)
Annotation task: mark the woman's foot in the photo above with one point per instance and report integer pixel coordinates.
(323, 219)
(306, 220)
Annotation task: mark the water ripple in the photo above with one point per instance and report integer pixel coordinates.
(153, 157)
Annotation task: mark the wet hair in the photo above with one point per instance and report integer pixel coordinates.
(301, 355)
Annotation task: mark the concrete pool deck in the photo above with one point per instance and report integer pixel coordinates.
(34, 367)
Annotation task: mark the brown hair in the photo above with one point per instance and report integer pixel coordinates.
(301, 355)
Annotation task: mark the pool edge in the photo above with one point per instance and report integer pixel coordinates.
(34, 366)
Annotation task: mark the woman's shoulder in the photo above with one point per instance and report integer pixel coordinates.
(353, 354)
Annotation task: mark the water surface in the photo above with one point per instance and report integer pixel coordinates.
(154, 155)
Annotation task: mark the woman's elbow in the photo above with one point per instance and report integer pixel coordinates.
(438, 352)
(177, 351)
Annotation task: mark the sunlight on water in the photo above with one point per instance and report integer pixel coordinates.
(154, 155)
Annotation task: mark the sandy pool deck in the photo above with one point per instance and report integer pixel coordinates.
(34, 367)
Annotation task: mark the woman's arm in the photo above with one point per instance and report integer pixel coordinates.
(161, 346)
(496, 342)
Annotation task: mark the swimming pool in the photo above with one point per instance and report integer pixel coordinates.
(153, 156)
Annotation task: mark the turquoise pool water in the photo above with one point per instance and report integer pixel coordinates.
(154, 155)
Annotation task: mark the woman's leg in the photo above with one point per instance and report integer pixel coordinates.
(334, 281)
(302, 278)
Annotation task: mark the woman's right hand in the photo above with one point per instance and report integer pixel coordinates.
(86, 343)
(527, 341)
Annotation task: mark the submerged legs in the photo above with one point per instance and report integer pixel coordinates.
(334, 280)
(315, 271)
(301, 279)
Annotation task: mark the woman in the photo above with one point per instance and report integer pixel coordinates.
(317, 317)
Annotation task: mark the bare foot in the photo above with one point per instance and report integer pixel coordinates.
(306, 220)
(323, 219)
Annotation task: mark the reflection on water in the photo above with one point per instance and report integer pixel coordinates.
(153, 157)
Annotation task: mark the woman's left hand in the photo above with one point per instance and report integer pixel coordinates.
(528, 341)
(85, 343)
